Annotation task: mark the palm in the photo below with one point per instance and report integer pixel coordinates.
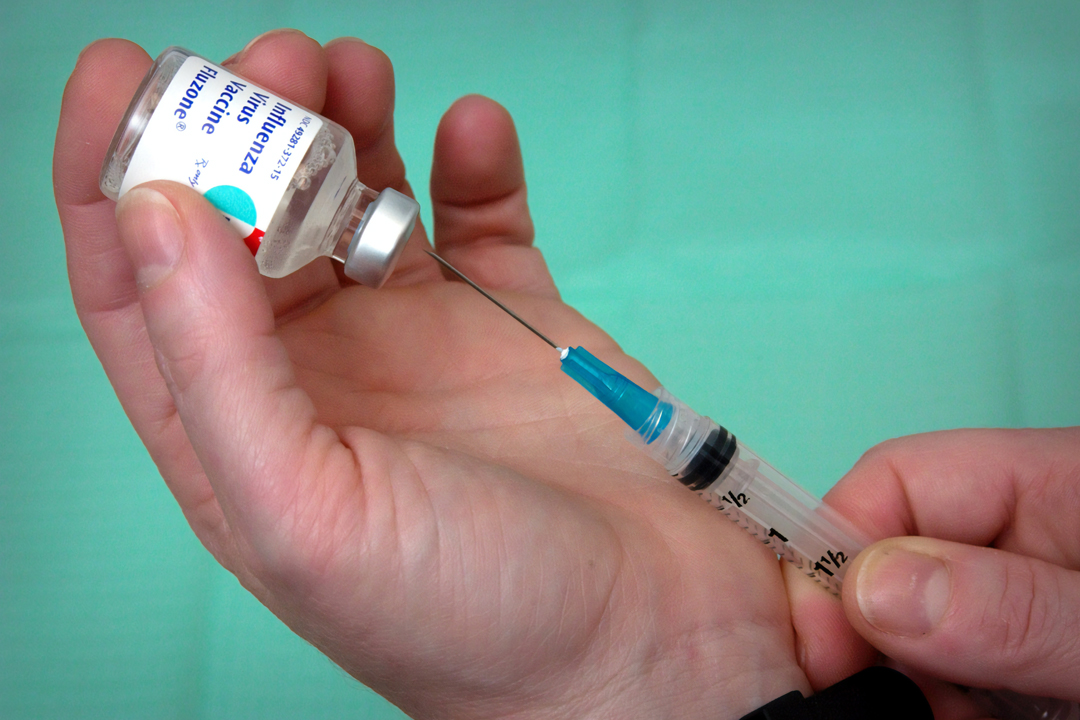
(413, 486)
(512, 530)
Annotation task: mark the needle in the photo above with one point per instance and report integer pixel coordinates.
(480, 290)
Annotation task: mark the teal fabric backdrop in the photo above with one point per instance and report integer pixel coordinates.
(824, 224)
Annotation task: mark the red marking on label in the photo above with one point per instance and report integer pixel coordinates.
(254, 240)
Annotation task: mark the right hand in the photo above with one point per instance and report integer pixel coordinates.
(985, 591)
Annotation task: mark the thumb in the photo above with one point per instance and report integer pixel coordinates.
(212, 328)
(976, 616)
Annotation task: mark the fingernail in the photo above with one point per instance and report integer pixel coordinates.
(902, 592)
(151, 233)
(255, 40)
(344, 39)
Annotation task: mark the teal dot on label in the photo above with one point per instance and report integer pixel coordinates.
(233, 201)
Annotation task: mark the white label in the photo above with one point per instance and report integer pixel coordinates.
(234, 142)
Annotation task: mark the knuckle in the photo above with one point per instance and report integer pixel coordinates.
(184, 357)
(289, 560)
(1028, 615)
(886, 457)
(310, 540)
(181, 370)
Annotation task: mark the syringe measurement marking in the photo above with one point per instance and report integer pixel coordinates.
(739, 499)
(731, 503)
(837, 559)
(773, 533)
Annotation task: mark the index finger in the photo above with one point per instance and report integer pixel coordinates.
(106, 76)
(360, 96)
(1017, 490)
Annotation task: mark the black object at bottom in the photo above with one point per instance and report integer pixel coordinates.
(877, 693)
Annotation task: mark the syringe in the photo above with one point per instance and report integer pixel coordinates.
(708, 459)
(797, 526)
(711, 461)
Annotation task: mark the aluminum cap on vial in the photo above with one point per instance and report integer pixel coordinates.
(387, 224)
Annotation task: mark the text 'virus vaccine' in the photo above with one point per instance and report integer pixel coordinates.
(283, 176)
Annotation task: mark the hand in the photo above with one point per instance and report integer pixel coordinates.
(989, 596)
(403, 475)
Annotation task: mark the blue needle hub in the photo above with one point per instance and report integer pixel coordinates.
(645, 413)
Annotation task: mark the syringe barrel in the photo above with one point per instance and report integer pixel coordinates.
(796, 525)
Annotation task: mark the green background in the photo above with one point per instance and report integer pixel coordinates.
(824, 224)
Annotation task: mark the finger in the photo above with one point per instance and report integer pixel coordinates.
(295, 67)
(478, 179)
(212, 328)
(95, 99)
(479, 199)
(826, 646)
(976, 616)
(1008, 488)
(102, 279)
(360, 96)
(286, 62)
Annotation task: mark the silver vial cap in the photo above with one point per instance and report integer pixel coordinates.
(381, 236)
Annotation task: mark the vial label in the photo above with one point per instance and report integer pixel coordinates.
(227, 138)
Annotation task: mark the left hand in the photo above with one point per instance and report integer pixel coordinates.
(404, 476)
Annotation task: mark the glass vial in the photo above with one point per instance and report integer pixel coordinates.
(283, 176)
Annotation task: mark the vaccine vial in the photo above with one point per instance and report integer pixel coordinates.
(283, 176)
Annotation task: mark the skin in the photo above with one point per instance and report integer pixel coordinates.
(403, 475)
(997, 511)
